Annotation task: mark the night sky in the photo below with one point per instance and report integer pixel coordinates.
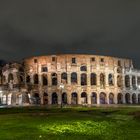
(41, 27)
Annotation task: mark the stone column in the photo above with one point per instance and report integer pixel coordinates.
(49, 98)
(131, 82)
(58, 78)
(68, 98)
(88, 79)
(115, 98)
(124, 102)
(59, 97)
(69, 78)
(89, 98)
(79, 78)
(79, 98)
(49, 79)
(107, 98)
(98, 98)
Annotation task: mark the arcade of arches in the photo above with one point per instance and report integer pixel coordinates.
(73, 99)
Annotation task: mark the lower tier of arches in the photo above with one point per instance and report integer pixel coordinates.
(71, 99)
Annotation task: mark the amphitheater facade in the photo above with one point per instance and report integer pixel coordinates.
(72, 79)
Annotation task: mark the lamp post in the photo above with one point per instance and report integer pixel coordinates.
(61, 86)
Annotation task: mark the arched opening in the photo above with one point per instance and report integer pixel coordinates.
(127, 98)
(10, 77)
(83, 68)
(21, 78)
(134, 98)
(110, 79)
(4, 101)
(119, 81)
(134, 82)
(36, 99)
(102, 80)
(111, 98)
(93, 79)
(74, 78)
(127, 81)
(44, 80)
(3, 79)
(102, 98)
(120, 98)
(83, 79)
(45, 98)
(64, 98)
(36, 80)
(74, 98)
(83, 98)
(138, 81)
(28, 79)
(64, 77)
(93, 98)
(138, 98)
(54, 98)
(54, 79)
(26, 98)
(19, 99)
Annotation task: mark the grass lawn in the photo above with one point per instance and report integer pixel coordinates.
(34, 123)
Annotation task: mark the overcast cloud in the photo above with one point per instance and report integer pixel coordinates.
(40, 27)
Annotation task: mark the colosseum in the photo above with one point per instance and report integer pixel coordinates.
(72, 79)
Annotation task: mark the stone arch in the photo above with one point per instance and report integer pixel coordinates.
(102, 80)
(36, 79)
(64, 98)
(45, 98)
(134, 81)
(127, 81)
(26, 98)
(120, 98)
(3, 79)
(93, 98)
(74, 78)
(111, 79)
(44, 79)
(138, 98)
(36, 98)
(83, 98)
(74, 98)
(4, 100)
(127, 98)
(28, 79)
(83, 68)
(10, 77)
(19, 99)
(21, 78)
(64, 77)
(111, 98)
(134, 98)
(83, 79)
(54, 98)
(54, 79)
(102, 98)
(93, 79)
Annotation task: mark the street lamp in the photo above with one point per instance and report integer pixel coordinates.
(61, 86)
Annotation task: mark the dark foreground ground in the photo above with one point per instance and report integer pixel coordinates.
(75, 123)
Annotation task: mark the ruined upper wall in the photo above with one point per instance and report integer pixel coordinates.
(80, 60)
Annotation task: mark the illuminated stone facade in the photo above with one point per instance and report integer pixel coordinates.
(86, 79)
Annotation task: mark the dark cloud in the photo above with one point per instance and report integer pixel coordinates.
(42, 27)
